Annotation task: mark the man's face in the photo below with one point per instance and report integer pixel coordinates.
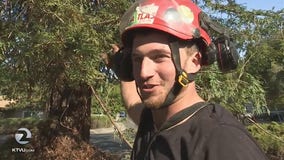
(153, 69)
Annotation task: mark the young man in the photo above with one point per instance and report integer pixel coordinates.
(164, 47)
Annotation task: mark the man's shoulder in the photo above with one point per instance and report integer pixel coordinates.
(213, 116)
(216, 112)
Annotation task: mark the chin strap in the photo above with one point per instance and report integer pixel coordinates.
(182, 78)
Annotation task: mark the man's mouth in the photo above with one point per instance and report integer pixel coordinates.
(148, 87)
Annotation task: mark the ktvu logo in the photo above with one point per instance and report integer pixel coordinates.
(23, 136)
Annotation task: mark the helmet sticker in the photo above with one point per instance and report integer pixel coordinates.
(144, 14)
(172, 15)
(186, 13)
(181, 14)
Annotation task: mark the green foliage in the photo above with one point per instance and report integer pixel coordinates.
(110, 93)
(266, 63)
(233, 90)
(100, 121)
(249, 29)
(46, 42)
(55, 39)
(11, 125)
(271, 139)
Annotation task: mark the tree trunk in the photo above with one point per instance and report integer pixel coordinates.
(66, 132)
(72, 108)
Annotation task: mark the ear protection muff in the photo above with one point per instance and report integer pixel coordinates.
(227, 57)
(121, 64)
(221, 48)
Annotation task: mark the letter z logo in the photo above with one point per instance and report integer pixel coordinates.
(23, 135)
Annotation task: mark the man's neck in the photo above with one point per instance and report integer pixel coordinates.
(186, 98)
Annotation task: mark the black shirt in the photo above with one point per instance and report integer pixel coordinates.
(200, 132)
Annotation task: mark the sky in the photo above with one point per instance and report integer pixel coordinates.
(262, 4)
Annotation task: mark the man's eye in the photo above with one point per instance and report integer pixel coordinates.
(160, 58)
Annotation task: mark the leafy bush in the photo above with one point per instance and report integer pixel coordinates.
(100, 121)
(270, 136)
(11, 125)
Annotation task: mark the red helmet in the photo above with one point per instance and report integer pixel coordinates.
(179, 18)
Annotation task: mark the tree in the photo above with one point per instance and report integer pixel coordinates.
(50, 54)
(267, 64)
(247, 28)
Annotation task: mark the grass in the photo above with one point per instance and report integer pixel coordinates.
(270, 136)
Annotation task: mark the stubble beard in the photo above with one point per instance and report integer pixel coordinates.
(155, 101)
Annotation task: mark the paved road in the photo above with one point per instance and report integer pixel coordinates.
(107, 140)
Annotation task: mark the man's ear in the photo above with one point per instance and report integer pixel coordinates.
(193, 63)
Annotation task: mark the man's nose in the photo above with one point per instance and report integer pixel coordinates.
(147, 68)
